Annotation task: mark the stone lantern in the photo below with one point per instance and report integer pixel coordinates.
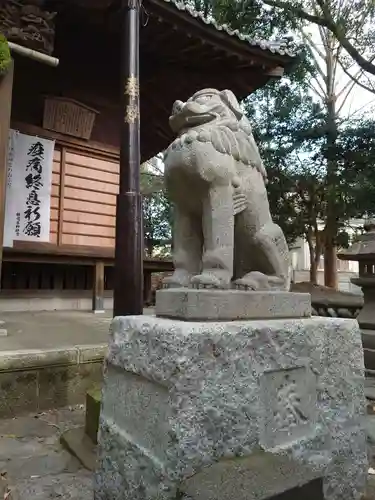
(363, 252)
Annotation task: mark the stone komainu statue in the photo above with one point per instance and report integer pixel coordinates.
(216, 180)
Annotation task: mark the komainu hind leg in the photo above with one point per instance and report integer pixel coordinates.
(270, 241)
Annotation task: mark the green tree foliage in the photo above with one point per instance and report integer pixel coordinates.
(157, 212)
(290, 129)
(355, 153)
(157, 217)
(5, 57)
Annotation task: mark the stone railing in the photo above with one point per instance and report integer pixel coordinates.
(335, 310)
(331, 303)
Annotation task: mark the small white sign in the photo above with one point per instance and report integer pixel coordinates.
(29, 185)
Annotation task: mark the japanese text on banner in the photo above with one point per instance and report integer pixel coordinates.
(28, 199)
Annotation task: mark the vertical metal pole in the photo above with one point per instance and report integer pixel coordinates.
(128, 282)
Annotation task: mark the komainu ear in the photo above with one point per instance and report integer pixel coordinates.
(230, 100)
(177, 107)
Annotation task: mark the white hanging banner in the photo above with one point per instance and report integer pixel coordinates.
(29, 185)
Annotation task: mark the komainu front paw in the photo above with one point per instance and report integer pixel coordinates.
(246, 284)
(211, 279)
(179, 279)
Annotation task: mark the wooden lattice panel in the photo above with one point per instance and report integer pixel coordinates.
(55, 196)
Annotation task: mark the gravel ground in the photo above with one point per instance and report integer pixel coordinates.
(33, 464)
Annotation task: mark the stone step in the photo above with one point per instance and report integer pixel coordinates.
(93, 402)
(33, 380)
(78, 443)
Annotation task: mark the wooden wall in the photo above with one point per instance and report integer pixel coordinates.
(55, 196)
(83, 203)
(85, 178)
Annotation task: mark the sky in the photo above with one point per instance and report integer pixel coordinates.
(359, 100)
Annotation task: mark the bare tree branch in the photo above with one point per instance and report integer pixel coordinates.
(308, 37)
(370, 82)
(301, 13)
(357, 111)
(319, 93)
(315, 60)
(327, 21)
(347, 89)
(336, 52)
(356, 80)
(349, 85)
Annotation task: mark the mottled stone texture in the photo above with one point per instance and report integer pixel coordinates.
(181, 397)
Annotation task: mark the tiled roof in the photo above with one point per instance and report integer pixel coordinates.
(283, 47)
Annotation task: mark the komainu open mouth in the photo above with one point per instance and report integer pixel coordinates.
(194, 120)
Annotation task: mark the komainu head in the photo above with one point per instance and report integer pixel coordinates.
(205, 106)
(213, 116)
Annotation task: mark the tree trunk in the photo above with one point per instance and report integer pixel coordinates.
(313, 261)
(330, 264)
(313, 272)
(330, 258)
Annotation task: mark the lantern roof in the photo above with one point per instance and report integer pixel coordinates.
(364, 248)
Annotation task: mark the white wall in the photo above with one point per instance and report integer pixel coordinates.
(300, 258)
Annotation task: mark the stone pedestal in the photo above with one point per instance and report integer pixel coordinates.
(212, 305)
(232, 410)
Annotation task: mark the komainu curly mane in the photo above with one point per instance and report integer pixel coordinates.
(234, 140)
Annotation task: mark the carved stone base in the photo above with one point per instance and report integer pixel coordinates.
(225, 305)
(237, 409)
